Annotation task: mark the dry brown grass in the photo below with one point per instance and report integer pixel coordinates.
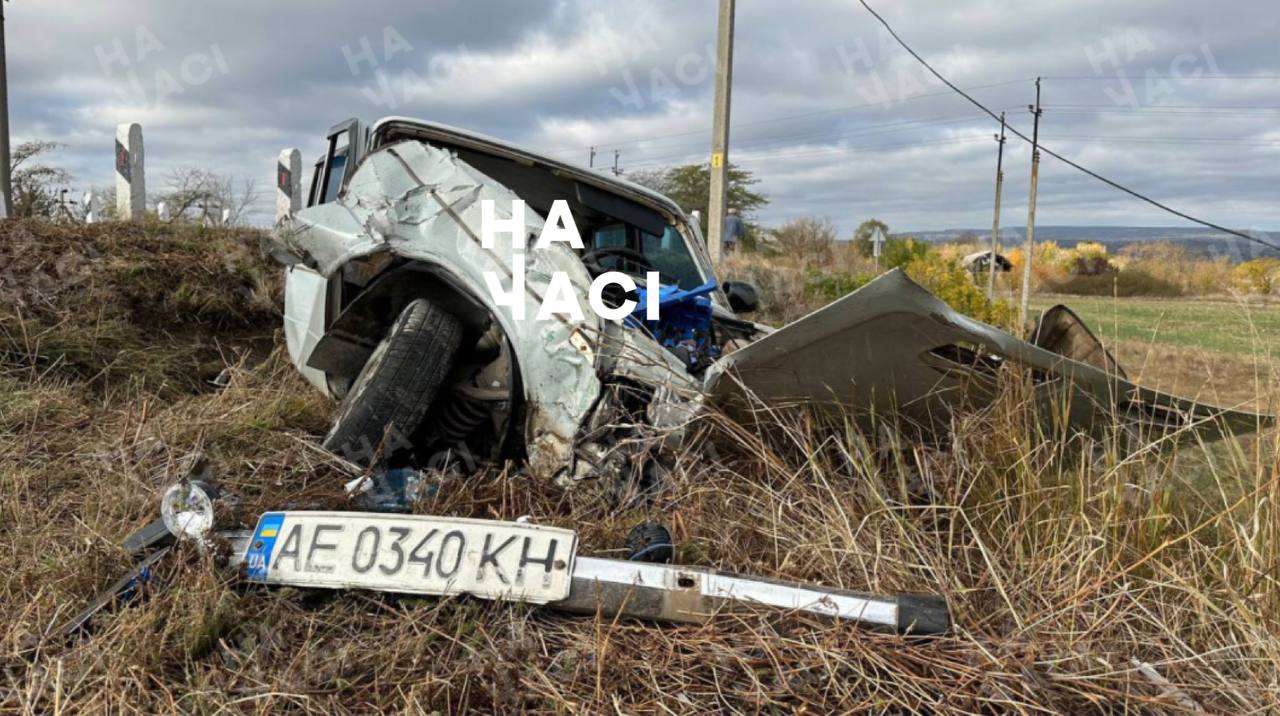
(781, 278)
(1065, 570)
(1225, 379)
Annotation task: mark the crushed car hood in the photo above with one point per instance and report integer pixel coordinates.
(893, 348)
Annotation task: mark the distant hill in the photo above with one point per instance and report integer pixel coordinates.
(1203, 242)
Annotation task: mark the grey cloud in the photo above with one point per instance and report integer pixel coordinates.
(830, 114)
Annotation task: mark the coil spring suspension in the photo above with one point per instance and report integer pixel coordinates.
(461, 416)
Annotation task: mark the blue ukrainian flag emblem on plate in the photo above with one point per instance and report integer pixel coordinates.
(257, 557)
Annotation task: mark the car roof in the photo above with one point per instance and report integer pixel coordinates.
(484, 142)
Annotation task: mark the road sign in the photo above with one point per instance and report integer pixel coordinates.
(877, 241)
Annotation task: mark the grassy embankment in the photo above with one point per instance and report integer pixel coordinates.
(1073, 578)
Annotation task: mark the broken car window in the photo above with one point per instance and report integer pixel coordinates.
(335, 178)
(666, 254)
(671, 257)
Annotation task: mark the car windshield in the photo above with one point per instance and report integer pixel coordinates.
(667, 254)
(336, 168)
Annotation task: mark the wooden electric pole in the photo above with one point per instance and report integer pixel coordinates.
(591, 163)
(616, 155)
(1025, 309)
(720, 129)
(6, 182)
(995, 221)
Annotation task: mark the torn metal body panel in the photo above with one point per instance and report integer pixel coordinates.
(894, 349)
(1061, 331)
(421, 203)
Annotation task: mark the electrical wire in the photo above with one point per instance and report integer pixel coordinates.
(826, 151)
(1225, 107)
(878, 128)
(1093, 109)
(782, 118)
(1173, 140)
(768, 142)
(1055, 155)
(1180, 79)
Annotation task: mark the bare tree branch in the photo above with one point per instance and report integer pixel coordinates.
(196, 194)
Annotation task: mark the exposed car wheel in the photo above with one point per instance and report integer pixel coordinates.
(397, 385)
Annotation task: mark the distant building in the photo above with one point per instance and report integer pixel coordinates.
(978, 262)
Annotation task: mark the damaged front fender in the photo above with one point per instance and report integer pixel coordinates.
(422, 203)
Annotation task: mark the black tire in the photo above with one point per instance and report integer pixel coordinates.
(397, 385)
(650, 542)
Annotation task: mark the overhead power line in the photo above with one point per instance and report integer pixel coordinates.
(823, 152)
(1215, 107)
(787, 117)
(1112, 78)
(1173, 140)
(1202, 111)
(651, 153)
(1055, 155)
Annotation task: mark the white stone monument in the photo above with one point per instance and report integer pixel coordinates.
(131, 186)
(288, 183)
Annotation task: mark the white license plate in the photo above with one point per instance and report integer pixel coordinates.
(414, 554)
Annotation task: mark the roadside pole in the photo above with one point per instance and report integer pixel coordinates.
(288, 183)
(6, 183)
(1025, 309)
(720, 129)
(877, 246)
(131, 183)
(995, 221)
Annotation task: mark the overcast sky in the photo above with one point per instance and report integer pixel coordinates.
(828, 112)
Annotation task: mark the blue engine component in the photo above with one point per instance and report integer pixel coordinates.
(684, 323)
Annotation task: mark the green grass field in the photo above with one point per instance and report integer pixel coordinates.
(1214, 325)
(1220, 351)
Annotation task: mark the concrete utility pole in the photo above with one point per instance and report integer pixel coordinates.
(616, 155)
(1031, 211)
(720, 129)
(591, 163)
(6, 182)
(995, 221)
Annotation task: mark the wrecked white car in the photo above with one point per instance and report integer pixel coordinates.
(387, 309)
